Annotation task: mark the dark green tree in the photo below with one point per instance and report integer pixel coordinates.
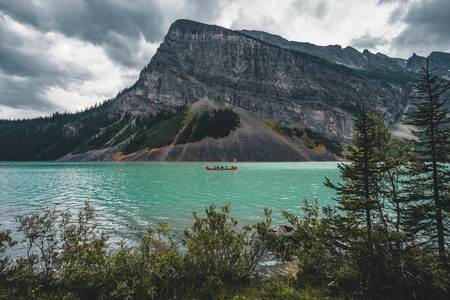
(358, 195)
(429, 173)
(395, 157)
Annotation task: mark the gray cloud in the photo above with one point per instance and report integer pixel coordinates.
(122, 35)
(125, 30)
(26, 73)
(318, 9)
(368, 41)
(23, 59)
(21, 10)
(321, 10)
(391, 1)
(427, 27)
(207, 11)
(114, 24)
(25, 93)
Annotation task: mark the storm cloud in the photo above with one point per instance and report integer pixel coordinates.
(368, 41)
(115, 25)
(67, 55)
(427, 28)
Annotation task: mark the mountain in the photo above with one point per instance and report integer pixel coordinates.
(214, 94)
(197, 60)
(348, 56)
(440, 61)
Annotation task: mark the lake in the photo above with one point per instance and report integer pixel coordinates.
(139, 193)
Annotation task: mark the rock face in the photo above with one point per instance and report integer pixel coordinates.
(440, 61)
(348, 56)
(229, 67)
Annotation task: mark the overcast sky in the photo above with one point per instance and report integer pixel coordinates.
(58, 55)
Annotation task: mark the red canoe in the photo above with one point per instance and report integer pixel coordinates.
(220, 169)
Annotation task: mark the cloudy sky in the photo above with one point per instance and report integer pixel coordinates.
(58, 55)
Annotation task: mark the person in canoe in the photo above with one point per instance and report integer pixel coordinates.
(214, 168)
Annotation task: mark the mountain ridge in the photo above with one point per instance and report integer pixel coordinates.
(199, 64)
(244, 66)
(347, 56)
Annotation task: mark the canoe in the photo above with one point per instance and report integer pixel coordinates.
(220, 169)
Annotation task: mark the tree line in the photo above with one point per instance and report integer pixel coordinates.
(52, 137)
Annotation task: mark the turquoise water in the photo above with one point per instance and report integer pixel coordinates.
(139, 193)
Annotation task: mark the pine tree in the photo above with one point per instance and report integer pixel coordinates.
(429, 174)
(395, 157)
(359, 192)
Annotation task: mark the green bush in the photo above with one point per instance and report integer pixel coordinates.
(208, 123)
(67, 257)
(220, 255)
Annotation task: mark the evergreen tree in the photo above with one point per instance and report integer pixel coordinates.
(358, 194)
(429, 174)
(395, 158)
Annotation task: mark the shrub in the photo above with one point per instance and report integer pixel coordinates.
(68, 257)
(220, 255)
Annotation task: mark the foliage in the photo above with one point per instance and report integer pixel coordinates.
(383, 239)
(102, 138)
(68, 257)
(6, 242)
(313, 248)
(185, 127)
(363, 247)
(157, 132)
(221, 255)
(392, 193)
(309, 138)
(49, 138)
(208, 123)
(358, 194)
(335, 258)
(40, 237)
(429, 175)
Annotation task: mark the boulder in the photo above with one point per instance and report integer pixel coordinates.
(283, 230)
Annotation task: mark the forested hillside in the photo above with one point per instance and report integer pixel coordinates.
(49, 138)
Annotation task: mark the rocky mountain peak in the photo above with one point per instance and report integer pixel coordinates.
(347, 56)
(439, 61)
(271, 83)
(415, 63)
(270, 76)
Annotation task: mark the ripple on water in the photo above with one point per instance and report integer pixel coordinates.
(141, 193)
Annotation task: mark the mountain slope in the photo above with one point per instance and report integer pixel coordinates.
(250, 140)
(197, 60)
(202, 67)
(348, 56)
(439, 61)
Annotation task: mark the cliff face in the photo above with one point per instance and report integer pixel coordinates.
(439, 61)
(347, 56)
(197, 60)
